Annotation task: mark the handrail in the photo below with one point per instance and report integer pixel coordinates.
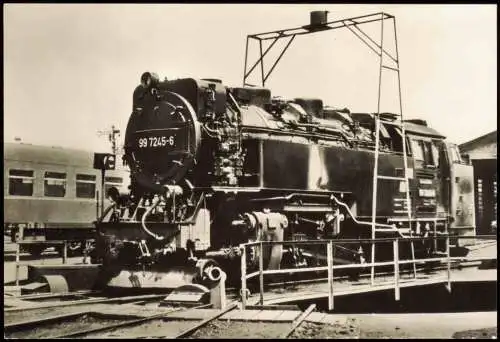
(396, 262)
(51, 242)
(353, 241)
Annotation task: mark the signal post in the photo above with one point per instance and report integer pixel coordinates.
(103, 162)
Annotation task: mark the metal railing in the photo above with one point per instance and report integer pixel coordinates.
(330, 267)
(48, 243)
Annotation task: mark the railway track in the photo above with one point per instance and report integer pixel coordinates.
(168, 324)
(83, 301)
(88, 322)
(164, 317)
(124, 318)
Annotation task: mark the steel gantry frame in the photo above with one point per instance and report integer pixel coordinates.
(352, 24)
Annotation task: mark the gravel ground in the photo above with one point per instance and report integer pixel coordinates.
(156, 328)
(325, 331)
(20, 316)
(478, 333)
(56, 329)
(471, 325)
(238, 329)
(435, 325)
(355, 328)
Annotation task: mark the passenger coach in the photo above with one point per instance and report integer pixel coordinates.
(52, 193)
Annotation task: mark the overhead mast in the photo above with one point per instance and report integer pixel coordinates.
(398, 123)
(319, 22)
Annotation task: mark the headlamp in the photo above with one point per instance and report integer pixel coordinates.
(149, 79)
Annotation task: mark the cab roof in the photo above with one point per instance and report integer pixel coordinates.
(422, 130)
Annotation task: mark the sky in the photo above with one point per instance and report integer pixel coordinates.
(70, 69)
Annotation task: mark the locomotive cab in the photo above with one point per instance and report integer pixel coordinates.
(461, 196)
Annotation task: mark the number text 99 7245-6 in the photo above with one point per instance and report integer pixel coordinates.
(156, 141)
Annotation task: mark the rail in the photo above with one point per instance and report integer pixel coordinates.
(48, 242)
(330, 267)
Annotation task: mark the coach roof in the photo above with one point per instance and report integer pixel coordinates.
(47, 155)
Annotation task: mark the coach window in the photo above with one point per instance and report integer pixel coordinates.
(55, 184)
(85, 186)
(112, 181)
(21, 182)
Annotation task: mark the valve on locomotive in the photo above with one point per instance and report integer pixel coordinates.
(276, 107)
(332, 223)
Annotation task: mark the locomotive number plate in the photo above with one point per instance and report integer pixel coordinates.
(170, 139)
(156, 141)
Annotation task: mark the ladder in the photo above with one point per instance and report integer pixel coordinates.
(399, 123)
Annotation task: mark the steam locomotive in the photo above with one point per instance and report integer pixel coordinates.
(214, 166)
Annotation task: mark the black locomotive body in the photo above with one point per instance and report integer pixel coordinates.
(213, 167)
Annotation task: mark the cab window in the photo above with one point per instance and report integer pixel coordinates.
(417, 149)
(455, 155)
(429, 154)
(425, 151)
(55, 184)
(21, 182)
(435, 153)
